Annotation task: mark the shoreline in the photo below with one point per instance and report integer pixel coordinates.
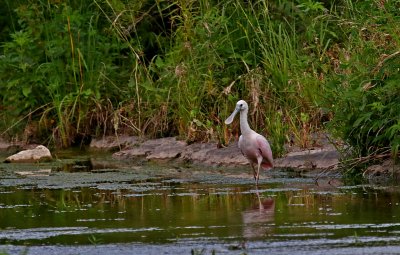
(171, 149)
(323, 157)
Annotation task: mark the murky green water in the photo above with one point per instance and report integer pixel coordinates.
(107, 207)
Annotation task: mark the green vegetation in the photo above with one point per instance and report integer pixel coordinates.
(71, 70)
(365, 93)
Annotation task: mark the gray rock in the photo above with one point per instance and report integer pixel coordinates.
(129, 154)
(11, 147)
(322, 158)
(112, 143)
(40, 153)
(386, 168)
(170, 148)
(165, 148)
(4, 145)
(154, 149)
(210, 154)
(230, 155)
(197, 152)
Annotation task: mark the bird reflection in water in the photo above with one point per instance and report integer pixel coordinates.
(258, 220)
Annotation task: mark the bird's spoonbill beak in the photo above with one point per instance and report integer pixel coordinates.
(230, 118)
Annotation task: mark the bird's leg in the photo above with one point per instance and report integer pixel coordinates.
(259, 159)
(254, 171)
(258, 174)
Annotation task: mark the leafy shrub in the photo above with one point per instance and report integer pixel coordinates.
(367, 109)
(56, 65)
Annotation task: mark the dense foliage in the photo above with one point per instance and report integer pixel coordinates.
(366, 92)
(71, 70)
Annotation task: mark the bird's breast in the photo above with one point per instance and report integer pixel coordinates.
(249, 149)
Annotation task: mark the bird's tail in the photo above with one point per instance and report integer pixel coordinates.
(267, 165)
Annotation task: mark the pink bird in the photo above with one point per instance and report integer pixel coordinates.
(252, 145)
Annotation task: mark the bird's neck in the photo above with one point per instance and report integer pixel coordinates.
(244, 125)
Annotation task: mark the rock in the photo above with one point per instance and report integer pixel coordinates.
(170, 148)
(113, 143)
(210, 154)
(15, 146)
(4, 145)
(230, 155)
(166, 148)
(40, 153)
(11, 147)
(387, 168)
(154, 149)
(324, 158)
(197, 152)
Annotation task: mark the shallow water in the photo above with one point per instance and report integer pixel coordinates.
(91, 204)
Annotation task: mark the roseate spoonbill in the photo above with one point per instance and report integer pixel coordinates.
(252, 145)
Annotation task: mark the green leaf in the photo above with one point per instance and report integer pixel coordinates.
(362, 118)
(159, 62)
(26, 91)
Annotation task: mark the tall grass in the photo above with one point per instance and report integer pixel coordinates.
(180, 66)
(289, 93)
(60, 59)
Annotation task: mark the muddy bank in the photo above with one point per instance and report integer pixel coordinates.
(325, 156)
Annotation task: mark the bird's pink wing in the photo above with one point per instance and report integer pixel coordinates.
(266, 151)
(240, 145)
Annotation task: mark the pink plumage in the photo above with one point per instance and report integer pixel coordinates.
(253, 146)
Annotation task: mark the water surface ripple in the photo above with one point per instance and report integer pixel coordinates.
(151, 209)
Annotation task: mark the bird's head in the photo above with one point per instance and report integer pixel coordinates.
(241, 106)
